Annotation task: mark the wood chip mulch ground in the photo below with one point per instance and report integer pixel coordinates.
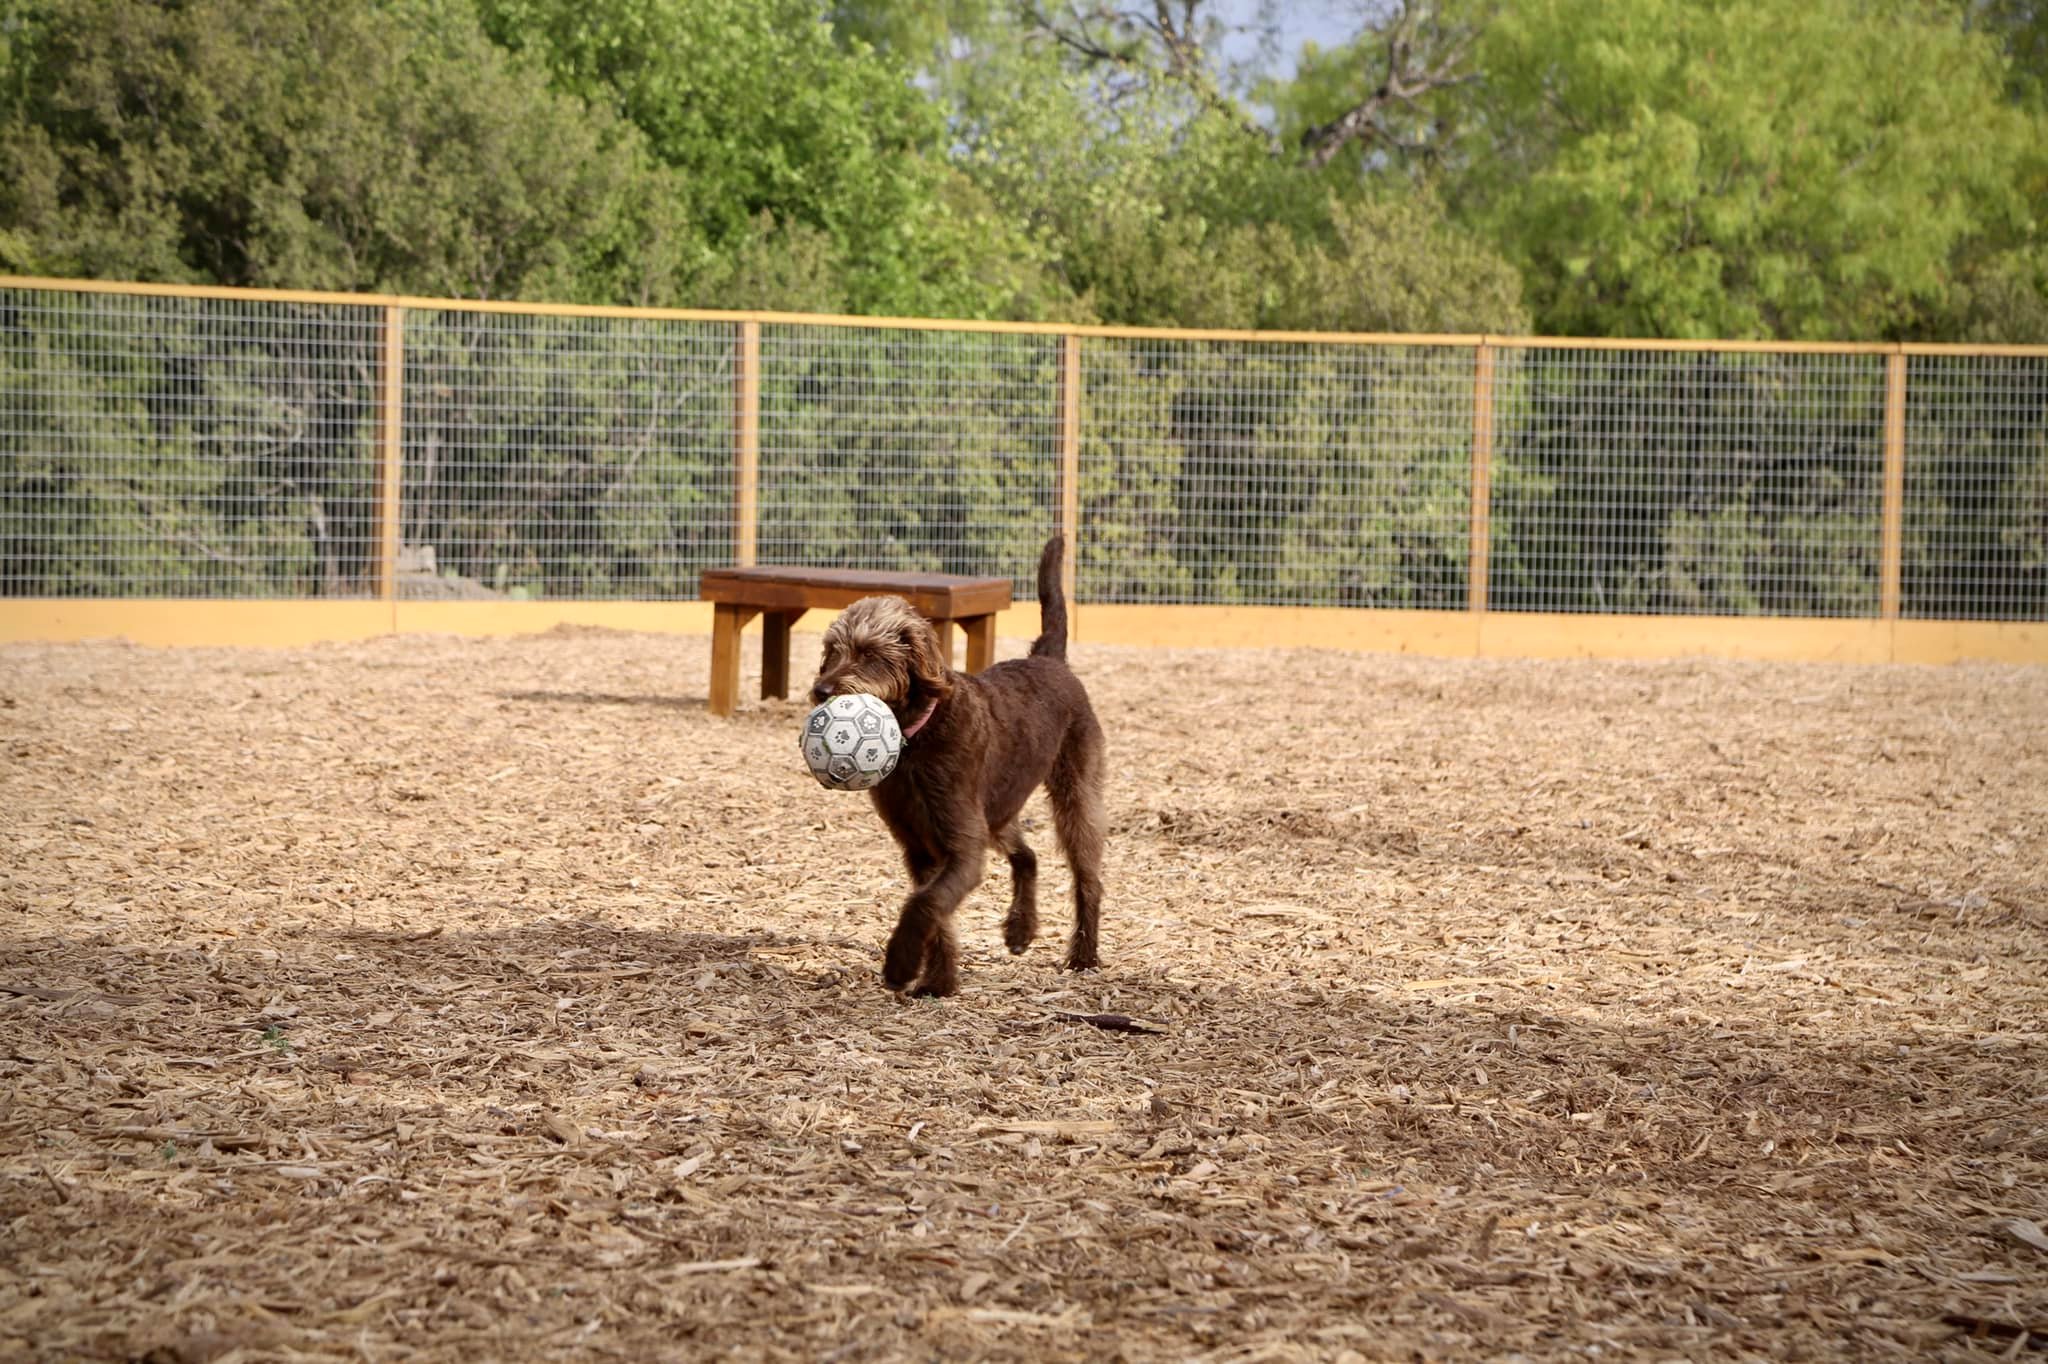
(444, 1000)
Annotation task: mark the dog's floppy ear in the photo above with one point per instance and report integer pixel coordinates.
(930, 671)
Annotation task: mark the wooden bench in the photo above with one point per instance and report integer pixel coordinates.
(779, 595)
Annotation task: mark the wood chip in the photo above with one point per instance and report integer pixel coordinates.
(2025, 1232)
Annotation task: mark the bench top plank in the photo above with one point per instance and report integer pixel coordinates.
(939, 596)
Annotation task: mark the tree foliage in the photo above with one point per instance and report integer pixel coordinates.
(1742, 168)
(1657, 168)
(1161, 208)
(265, 142)
(765, 119)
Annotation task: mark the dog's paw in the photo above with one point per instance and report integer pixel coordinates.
(900, 965)
(1019, 931)
(1079, 960)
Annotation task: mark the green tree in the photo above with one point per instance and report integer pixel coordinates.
(1390, 262)
(1387, 99)
(1162, 210)
(767, 120)
(265, 142)
(2021, 29)
(917, 31)
(1740, 168)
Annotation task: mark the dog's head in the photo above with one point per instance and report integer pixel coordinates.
(881, 646)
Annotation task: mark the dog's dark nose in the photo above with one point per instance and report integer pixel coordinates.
(821, 693)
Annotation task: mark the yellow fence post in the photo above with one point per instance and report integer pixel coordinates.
(390, 451)
(746, 424)
(1892, 545)
(1070, 470)
(1478, 570)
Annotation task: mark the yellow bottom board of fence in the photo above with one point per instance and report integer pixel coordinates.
(1446, 634)
(1949, 641)
(257, 624)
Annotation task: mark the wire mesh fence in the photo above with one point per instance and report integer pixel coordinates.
(1690, 482)
(1976, 495)
(184, 447)
(213, 444)
(1289, 474)
(908, 449)
(566, 457)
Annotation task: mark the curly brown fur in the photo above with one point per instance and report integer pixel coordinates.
(991, 740)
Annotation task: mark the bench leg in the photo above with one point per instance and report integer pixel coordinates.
(981, 642)
(945, 630)
(775, 653)
(726, 623)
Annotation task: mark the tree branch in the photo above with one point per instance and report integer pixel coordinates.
(1075, 38)
(1406, 79)
(1185, 62)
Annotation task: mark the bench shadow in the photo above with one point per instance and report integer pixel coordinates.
(599, 698)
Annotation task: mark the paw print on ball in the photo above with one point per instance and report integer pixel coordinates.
(851, 742)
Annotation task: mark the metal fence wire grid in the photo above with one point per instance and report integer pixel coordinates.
(193, 443)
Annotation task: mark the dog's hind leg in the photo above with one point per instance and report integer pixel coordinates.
(1020, 925)
(1075, 786)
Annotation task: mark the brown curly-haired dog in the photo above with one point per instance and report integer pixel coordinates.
(975, 747)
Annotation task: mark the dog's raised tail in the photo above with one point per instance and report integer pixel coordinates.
(1052, 603)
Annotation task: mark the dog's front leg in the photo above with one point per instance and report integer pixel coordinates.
(922, 944)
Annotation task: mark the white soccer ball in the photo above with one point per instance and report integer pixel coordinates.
(851, 742)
